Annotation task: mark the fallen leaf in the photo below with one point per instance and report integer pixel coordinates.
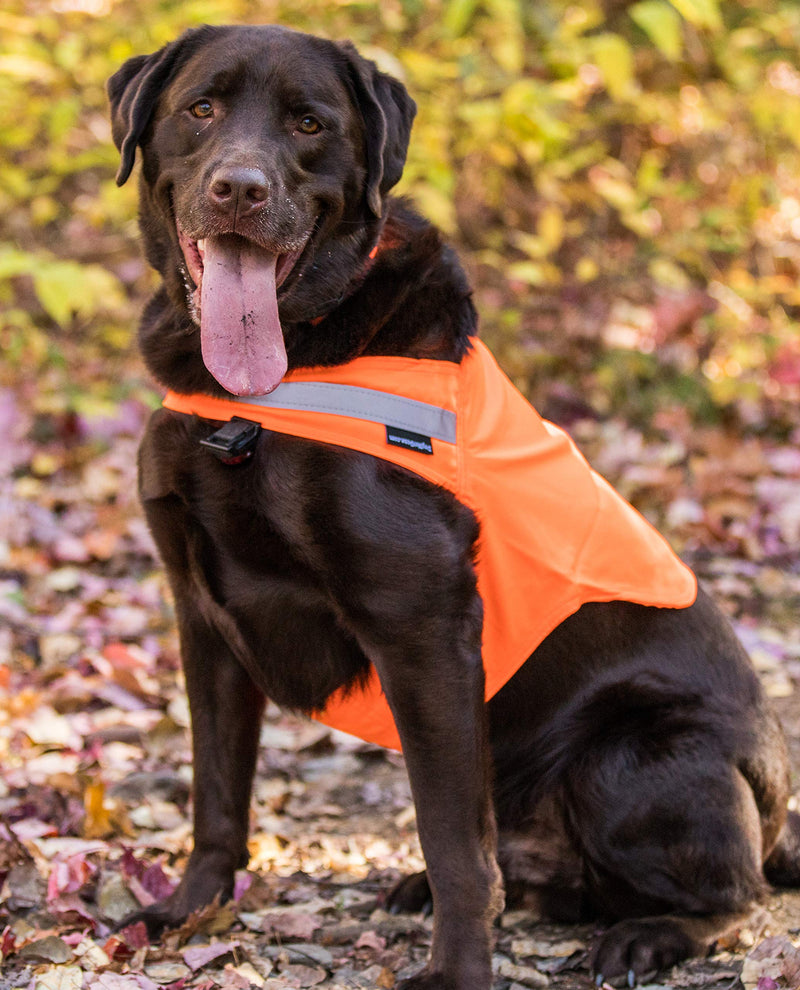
(119, 981)
(775, 959)
(197, 956)
(167, 971)
(291, 924)
(25, 887)
(157, 883)
(371, 940)
(544, 949)
(8, 943)
(525, 975)
(115, 899)
(236, 980)
(48, 728)
(91, 955)
(247, 972)
(135, 936)
(69, 874)
(298, 975)
(69, 907)
(49, 949)
(98, 819)
(60, 978)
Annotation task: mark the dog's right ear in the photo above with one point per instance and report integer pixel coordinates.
(134, 89)
(132, 92)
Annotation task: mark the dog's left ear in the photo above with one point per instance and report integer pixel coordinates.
(388, 113)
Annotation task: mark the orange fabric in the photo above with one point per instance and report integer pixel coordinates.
(554, 534)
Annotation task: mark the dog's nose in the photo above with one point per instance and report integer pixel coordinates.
(238, 190)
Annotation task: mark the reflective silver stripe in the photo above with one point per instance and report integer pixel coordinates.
(360, 403)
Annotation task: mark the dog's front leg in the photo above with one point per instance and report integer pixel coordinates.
(226, 713)
(438, 704)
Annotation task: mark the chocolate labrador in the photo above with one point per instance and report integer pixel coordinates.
(630, 768)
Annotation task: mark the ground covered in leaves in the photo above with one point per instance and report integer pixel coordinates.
(95, 800)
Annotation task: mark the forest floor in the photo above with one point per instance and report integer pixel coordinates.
(95, 760)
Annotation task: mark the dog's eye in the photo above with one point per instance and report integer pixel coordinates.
(309, 125)
(201, 109)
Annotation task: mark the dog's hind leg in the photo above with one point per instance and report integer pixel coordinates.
(768, 775)
(680, 857)
(782, 866)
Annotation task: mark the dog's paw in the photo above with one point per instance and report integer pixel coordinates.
(422, 981)
(632, 950)
(426, 980)
(157, 918)
(410, 896)
(186, 901)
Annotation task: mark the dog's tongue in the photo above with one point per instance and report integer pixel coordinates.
(240, 333)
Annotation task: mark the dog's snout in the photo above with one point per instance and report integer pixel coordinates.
(238, 190)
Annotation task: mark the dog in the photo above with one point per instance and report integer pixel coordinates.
(627, 767)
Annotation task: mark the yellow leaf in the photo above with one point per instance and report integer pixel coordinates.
(614, 59)
(527, 271)
(551, 227)
(27, 68)
(701, 13)
(60, 978)
(662, 24)
(612, 181)
(586, 269)
(667, 273)
(44, 464)
(98, 821)
(458, 15)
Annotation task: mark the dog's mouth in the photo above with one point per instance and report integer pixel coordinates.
(235, 301)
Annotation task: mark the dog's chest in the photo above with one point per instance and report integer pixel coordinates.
(264, 547)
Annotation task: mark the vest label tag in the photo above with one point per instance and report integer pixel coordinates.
(411, 441)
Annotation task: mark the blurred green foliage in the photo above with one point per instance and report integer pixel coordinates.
(621, 179)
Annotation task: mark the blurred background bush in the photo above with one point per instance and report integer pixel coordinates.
(621, 179)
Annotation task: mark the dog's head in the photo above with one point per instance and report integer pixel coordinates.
(266, 157)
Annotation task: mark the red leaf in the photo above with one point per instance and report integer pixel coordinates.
(115, 947)
(71, 904)
(7, 942)
(131, 866)
(156, 882)
(67, 876)
(135, 936)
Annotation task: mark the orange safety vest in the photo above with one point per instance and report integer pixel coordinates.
(554, 535)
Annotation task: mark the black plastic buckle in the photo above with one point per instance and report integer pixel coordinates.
(234, 442)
